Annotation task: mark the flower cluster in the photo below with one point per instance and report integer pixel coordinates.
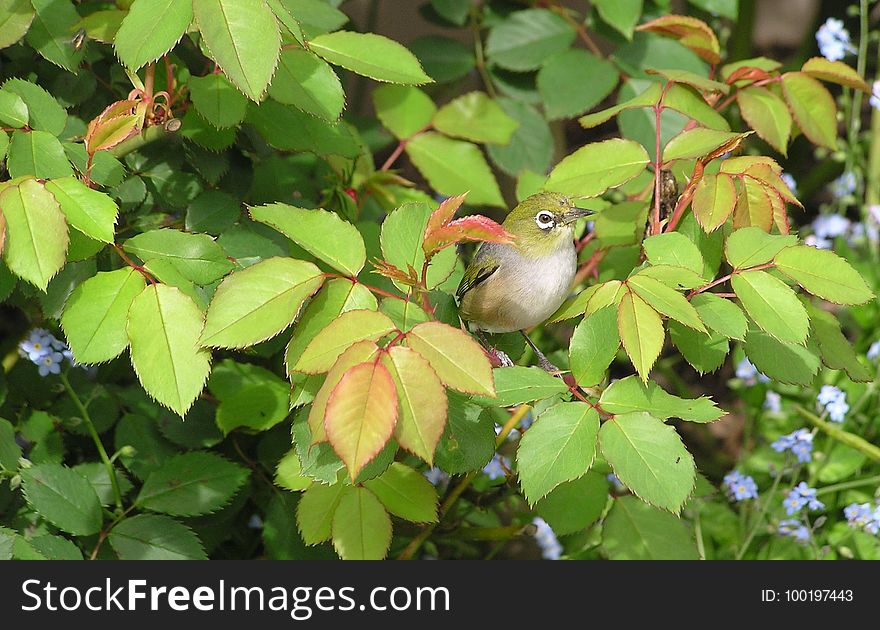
(790, 182)
(794, 528)
(546, 539)
(863, 516)
(827, 227)
(801, 496)
(749, 374)
(833, 40)
(615, 481)
(497, 467)
(874, 351)
(834, 402)
(740, 487)
(437, 477)
(875, 95)
(799, 442)
(45, 351)
(773, 402)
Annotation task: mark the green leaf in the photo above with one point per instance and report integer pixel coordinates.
(403, 110)
(635, 531)
(405, 493)
(697, 81)
(323, 234)
(213, 211)
(784, 362)
(629, 394)
(476, 117)
(574, 81)
(714, 200)
(526, 39)
(421, 417)
(13, 110)
(315, 16)
(37, 153)
(836, 350)
(453, 167)
(641, 332)
(288, 473)
(153, 537)
(649, 458)
(289, 129)
(314, 513)
(43, 110)
(824, 274)
(10, 451)
(150, 29)
(458, 360)
(257, 303)
(469, 440)
(705, 352)
(531, 146)
(812, 107)
(344, 331)
(835, 72)
(517, 385)
(648, 98)
(96, 474)
(192, 483)
(443, 58)
(685, 100)
(697, 142)
(51, 30)
(309, 84)
(337, 296)
(596, 167)
(258, 407)
(622, 15)
(242, 37)
(361, 526)
(370, 55)
(197, 257)
(96, 313)
(767, 114)
(559, 447)
(91, 212)
(772, 305)
(217, 100)
(36, 232)
(722, 316)
(163, 329)
(356, 354)
(751, 246)
(666, 300)
(574, 505)
(593, 347)
(16, 20)
(403, 232)
(361, 414)
(63, 498)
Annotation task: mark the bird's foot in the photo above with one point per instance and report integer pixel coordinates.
(499, 358)
(548, 367)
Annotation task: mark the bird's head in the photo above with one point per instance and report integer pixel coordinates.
(543, 222)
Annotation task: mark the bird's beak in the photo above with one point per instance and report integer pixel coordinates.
(573, 214)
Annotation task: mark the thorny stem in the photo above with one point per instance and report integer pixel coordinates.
(394, 155)
(87, 419)
(128, 261)
(456, 492)
(655, 220)
(724, 279)
(578, 27)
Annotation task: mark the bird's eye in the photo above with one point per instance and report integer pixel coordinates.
(544, 220)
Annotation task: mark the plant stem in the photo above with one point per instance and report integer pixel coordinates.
(765, 507)
(844, 437)
(478, 52)
(849, 485)
(117, 494)
(456, 492)
(855, 111)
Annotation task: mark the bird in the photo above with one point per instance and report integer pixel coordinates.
(513, 287)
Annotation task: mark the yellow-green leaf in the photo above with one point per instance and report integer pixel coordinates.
(458, 360)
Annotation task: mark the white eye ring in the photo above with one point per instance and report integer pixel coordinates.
(544, 220)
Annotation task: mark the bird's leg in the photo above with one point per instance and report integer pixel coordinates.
(496, 356)
(542, 360)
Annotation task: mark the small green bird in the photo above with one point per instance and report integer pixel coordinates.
(514, 287)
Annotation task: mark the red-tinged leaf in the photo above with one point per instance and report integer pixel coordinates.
(111, 132)
(835, 72)
(99, 129)
(772, 178)
(753, 207)
(767, 114)
(714, 201)
(423, 403)
(747, 73)
(409, 278)
(358, 353)
(690, 32)
(2, 231)
(444, 213)
(813, 108)
(459, 361)
(361, 414)
(780, 216)
(473, 228)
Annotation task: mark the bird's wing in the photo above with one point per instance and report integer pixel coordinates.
(476, 273)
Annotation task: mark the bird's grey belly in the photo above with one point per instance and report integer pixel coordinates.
(526, 293)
